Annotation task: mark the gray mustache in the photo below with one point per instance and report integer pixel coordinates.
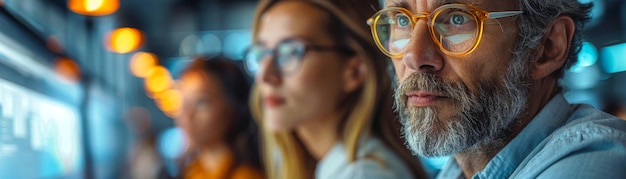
(431, 83)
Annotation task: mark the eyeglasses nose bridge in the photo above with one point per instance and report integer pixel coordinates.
(269, 61)
(266, 56)
(422, 15)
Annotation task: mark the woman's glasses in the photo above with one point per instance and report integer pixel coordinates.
(287, 55)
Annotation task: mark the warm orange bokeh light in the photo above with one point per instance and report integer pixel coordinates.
(158, 81)
(68, 69)
(124, 40)
(94, 7)
(170, 102)
(141, 64)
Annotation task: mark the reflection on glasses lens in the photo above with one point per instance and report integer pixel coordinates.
(287, 56)
(456, 30)
(252, 57)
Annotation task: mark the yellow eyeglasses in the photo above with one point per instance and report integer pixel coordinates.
(455, 28)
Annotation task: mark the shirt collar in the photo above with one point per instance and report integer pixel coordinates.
(552, 116)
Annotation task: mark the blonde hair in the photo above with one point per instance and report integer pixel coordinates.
(371, 111)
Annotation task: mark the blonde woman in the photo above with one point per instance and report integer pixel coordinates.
(322, 93)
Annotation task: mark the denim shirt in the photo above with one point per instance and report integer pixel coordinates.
(563, 141)
(374, 161)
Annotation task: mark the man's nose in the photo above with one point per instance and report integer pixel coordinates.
(422, 54)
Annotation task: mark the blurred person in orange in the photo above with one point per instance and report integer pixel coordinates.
(216, 119)
(322, 93)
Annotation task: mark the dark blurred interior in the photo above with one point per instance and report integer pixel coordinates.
(77, 99)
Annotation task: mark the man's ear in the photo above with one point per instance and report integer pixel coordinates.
(554, 47)
(354, 73)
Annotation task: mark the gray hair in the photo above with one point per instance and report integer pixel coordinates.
(538, 14)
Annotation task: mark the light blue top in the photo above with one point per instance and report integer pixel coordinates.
(374, 161)
(563, 141)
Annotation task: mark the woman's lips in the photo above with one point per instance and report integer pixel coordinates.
(422, 98)
(273, 101)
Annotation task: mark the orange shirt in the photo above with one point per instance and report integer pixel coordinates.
(225, 170)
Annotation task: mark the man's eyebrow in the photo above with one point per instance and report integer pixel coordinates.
(398, 3)
(442, 2)
(404, 4)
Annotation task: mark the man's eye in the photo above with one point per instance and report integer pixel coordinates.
(403, 20)
(459, 19)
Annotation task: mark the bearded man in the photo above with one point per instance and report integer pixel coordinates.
(480, 80)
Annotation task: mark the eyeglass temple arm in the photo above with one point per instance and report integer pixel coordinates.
(493, 15)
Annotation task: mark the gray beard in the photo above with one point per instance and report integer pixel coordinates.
(480, 120)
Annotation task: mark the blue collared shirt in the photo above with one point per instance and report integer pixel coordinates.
(563, 141)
